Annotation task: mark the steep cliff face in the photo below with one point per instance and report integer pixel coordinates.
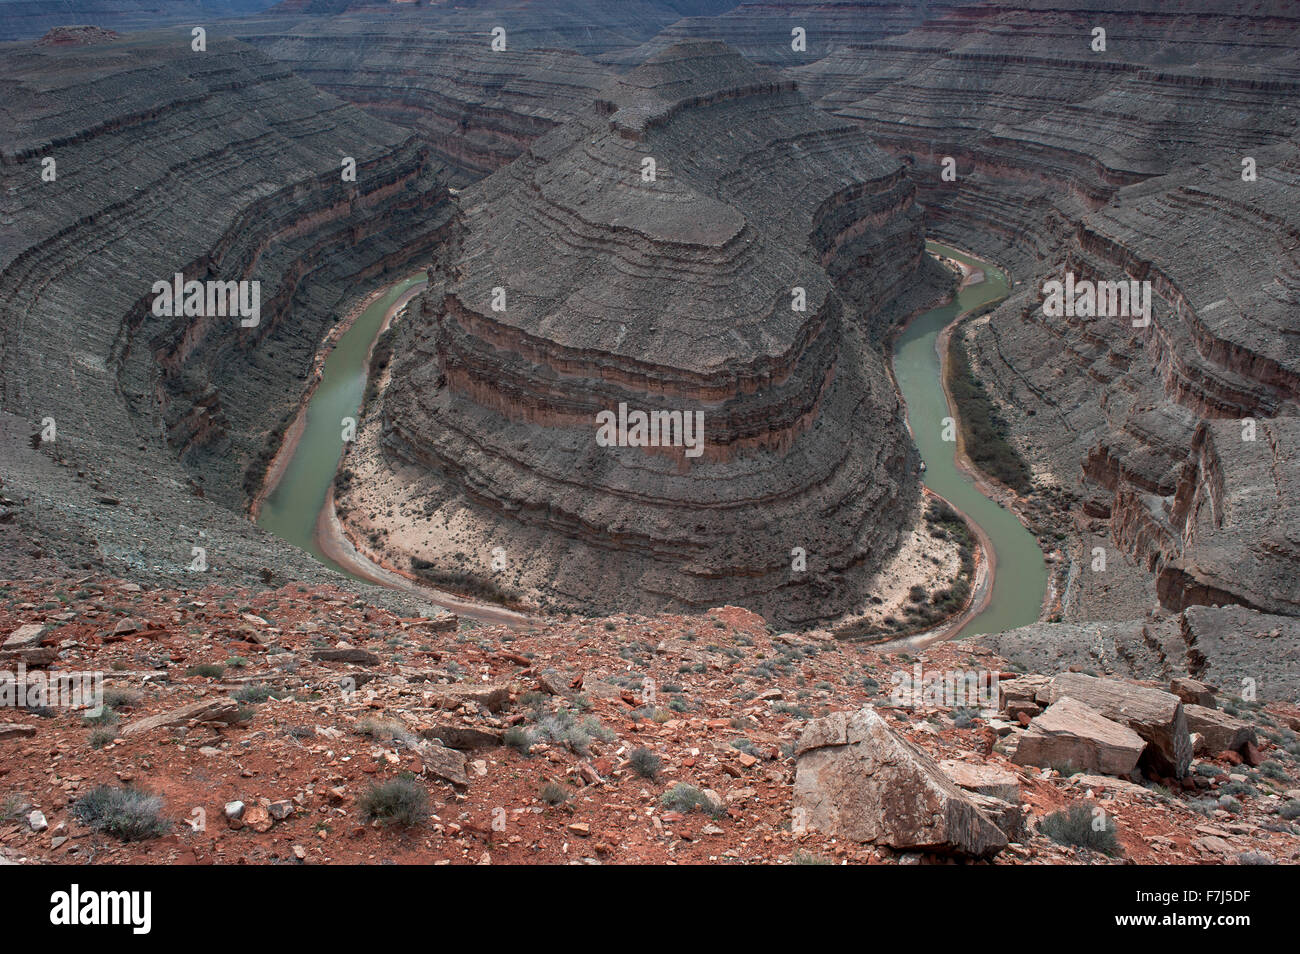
(1122, 163)
(217, 165)
(673, 295)
(585, 26)
(1184, 429)
(1045, 129)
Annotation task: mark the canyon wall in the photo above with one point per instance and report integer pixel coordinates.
(218, 165)
(1115, 164)
(475, 108)
(674, 294)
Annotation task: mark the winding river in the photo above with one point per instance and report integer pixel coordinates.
(291, 509)
(1021, 573)
(294, 506)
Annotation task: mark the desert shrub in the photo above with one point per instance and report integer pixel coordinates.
(106, 716)
(253, 694)
(207, 670)
(553, 793)
(808, 858)
(385, 730)
(1078, 826)
(130, 814)
(117, 698)
(687, 798)
(983, 429)
(645, 763)
(518, 738)
(400, 801)
(1274, 770)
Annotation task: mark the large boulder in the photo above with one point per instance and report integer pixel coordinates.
(857, 779)
(1075, 735)
(1155, 715)
(26, 636)
(1221, 732)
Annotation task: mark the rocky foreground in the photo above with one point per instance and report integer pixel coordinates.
(303, 725)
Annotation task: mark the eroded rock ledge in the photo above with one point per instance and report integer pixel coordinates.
(217, 165)
(1118, 164)
(671, 294)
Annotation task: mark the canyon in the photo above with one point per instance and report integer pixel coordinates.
(579, 286)
(693, 207)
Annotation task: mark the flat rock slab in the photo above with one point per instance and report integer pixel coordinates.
(1023, 688)
(205, 710)
(1071, 733)
(1192, 691)
(491, 696)
(1157, 716)
(25, 637)
(443, 763)
(360, 657)
(984, 779)
(29, 655)
(464, 737)
(1008, 816)
(15, 730)
(857, 779)
(1221, 732)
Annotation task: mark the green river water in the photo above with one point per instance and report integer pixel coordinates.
(1021, 577)
(291, 510)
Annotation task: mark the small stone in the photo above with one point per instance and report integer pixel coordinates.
(257, 818)
(36, 821)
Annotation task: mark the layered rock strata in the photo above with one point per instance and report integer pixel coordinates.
(476, 108)
(675, 295)
(125, 164)
(1235, 649)
(1116, 164)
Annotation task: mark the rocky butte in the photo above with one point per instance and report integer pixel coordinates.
(748, 276)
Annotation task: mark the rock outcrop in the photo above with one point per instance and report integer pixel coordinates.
(475, 108)
(1227, 646)
(1154, 715)
(27, 19)
(746, 282)
(857, 779)
(1072, 735)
